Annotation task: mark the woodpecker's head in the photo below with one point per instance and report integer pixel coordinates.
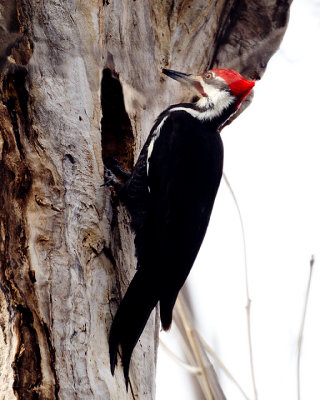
(218, 88)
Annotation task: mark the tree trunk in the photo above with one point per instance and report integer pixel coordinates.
(80, 82)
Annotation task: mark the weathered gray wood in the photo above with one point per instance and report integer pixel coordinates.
(66, 251)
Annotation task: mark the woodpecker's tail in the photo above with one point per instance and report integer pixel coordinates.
(131, 318)
(166, 308)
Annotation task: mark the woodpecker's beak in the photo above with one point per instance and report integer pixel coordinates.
(189, 80)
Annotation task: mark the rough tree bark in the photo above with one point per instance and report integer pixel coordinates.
(80, 82)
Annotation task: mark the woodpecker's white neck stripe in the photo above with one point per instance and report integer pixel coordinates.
(156, 134)
(210, 107)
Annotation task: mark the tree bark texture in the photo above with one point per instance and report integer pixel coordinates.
(80, 82)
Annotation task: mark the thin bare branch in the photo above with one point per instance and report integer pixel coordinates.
(248, 306)
(302, 327)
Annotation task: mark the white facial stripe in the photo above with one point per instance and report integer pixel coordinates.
(216, 98)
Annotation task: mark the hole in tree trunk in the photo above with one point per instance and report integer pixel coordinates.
(116, 130)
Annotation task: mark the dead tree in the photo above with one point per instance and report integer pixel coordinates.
(80, 82)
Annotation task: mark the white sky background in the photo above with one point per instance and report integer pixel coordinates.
(272, 160)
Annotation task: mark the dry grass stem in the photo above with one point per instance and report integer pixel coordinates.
(302, 327)
(221, 365)
(190, 368)
(208, 378)
(192, 342)
(183, 343)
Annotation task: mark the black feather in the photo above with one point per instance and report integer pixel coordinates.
(170, 210)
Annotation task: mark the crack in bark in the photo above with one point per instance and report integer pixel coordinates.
(52, 353)
(27, 363)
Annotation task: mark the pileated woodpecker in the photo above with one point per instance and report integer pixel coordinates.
(170, 195)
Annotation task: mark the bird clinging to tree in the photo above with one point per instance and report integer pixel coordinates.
(170, 195)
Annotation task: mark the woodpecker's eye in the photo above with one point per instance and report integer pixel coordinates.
(208, 75)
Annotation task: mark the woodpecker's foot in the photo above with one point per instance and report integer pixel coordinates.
(116, 168)
(110, 179)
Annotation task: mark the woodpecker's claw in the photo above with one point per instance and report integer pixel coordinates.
(110, 179)
(116, 168)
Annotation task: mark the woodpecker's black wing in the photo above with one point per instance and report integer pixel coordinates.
(185, 170)
(184, 176)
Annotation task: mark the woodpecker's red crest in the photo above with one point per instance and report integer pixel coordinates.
(238, 85)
